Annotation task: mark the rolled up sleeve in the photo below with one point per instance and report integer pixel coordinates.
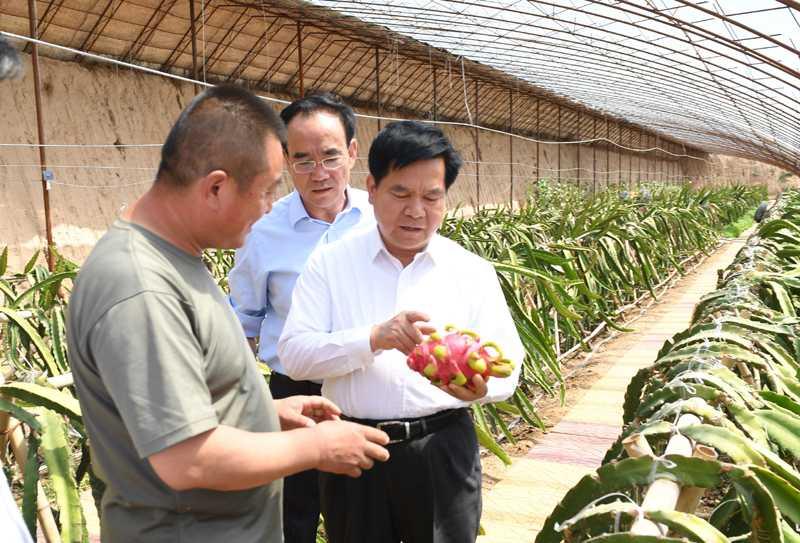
(247, 281)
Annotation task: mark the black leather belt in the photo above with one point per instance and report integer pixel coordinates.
(400, 430)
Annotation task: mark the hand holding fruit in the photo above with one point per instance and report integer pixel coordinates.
(456, 359)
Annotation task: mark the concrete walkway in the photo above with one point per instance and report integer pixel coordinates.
(518, 505)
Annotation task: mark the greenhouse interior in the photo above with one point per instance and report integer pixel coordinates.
(574, 224)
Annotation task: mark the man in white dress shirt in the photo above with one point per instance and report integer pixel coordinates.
(359, 307)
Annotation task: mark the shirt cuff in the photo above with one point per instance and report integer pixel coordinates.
(358, 348)
(173, 437)
(250, 324)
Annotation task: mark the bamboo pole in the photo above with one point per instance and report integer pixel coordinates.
(33, 21)
(663, 494)
(12, 429)
(690, 496)
(636, 446)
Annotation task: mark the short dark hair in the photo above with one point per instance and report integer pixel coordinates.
(404, 142)
(223, 128)
(323, 101)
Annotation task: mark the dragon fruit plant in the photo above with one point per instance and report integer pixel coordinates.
(458, 356)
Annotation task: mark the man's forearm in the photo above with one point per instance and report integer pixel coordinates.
(227, 459)
(320, 355)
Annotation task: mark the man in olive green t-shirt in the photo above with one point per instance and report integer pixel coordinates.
(183, 429)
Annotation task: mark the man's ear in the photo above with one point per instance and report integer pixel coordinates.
(212, 187)
(352, 150)
(371, 188)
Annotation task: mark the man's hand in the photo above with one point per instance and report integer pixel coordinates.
(347, 448)
(305, 411)
(401, 332)
(465, 394)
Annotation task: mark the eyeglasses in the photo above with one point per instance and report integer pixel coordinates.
(308, 166)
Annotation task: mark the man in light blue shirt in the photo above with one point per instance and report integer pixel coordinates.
(321, 150)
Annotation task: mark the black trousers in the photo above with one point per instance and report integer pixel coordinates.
(429, 491)
(300, 491)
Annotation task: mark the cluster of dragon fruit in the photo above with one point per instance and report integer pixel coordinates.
(457, 357)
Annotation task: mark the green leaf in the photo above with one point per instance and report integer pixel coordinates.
(50, 398)
(782, 428)
(20, 414)
(488, 442)
(52, 281)
(30, 488)
(725, 441)
(4, 261)
(631, 538)
(34, 337)
(31, 263)
(56, 452)
(786, 497)
(695, 528)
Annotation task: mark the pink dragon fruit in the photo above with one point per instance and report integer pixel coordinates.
(457, 357)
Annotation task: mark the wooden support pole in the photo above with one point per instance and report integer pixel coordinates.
(37, 87)
(378, 86)
(511, 147)
(578, 136)
(194, 44)
(435, 96)
(477, 152)
(630, 165)
(558, 146)
(619, 157)
(608, 153)
(658, 161)
(300, 76)
(538, 137)
(594, 155)
(639, 161)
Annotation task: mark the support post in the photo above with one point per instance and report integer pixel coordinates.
(511, 146)
(558, 146)
(477, 152)
(538, 137)
(639, 161)
(435, 96)
(608, 153)
(619, 157)
(194, 44)
(300, 59)
(378, 86)
(658, 161)
(594, 155)
(578, 135)
(37, 87)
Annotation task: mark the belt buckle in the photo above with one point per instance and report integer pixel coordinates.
(394, 423)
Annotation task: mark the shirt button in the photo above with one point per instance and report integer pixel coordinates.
(243, 387)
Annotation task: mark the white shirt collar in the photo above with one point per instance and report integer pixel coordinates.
(298, 212)
(434, 249)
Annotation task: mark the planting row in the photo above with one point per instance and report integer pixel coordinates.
(711, 440)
